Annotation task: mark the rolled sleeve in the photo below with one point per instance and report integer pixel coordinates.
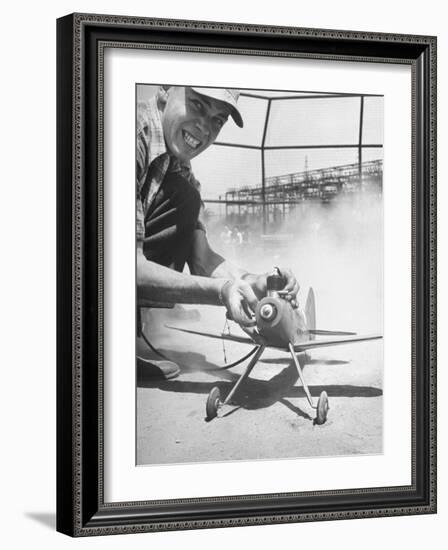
(140, 221)
(140, 170)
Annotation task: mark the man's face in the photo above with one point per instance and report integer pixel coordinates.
(191, 122)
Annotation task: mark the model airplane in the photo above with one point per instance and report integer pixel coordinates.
(288, 328)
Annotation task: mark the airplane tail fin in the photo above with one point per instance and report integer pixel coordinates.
(310, 312)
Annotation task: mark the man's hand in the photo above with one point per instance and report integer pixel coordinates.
(240, 302)
(259, 282)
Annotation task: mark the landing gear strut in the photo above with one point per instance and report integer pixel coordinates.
(214, 405)
(322, 404)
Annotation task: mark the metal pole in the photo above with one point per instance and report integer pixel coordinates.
(300, 373)
(245, 374)
(299, 147)
(361, 122)
(263, 193)
(263, 171)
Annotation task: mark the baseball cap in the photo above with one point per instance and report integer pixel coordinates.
(227, 95)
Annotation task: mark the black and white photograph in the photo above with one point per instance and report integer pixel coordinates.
(246, 277)
(259, 274)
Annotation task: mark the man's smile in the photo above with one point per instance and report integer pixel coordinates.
(190, 140)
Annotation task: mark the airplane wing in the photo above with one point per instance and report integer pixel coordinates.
(303, 346)
(313, 344)
(320, 332)
(230, 337)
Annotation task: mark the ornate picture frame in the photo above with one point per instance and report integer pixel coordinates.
(81, 506)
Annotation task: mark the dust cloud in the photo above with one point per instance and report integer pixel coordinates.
(337, 248)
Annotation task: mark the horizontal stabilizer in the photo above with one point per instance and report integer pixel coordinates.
(230, 337)
(319, 332)
(313, 344)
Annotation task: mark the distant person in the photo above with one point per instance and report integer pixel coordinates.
(237, 236)
(226, 235)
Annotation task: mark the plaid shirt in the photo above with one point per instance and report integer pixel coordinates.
(153, 162)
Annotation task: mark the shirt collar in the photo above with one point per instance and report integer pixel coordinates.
(158, 145)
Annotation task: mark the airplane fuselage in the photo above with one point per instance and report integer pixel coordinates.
(279, 323)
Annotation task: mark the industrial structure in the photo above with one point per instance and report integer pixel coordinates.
(271, 199)
(283, 193)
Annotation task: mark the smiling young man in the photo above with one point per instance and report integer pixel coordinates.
(175, 126)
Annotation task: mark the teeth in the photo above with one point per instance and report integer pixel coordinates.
(191, 141)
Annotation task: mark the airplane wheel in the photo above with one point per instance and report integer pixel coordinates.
(213, 402)
(322, 408)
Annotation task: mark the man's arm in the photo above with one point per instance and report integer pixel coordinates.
(157, 283)
(206, 262)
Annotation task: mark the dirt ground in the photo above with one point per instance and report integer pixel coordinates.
(272, 418)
